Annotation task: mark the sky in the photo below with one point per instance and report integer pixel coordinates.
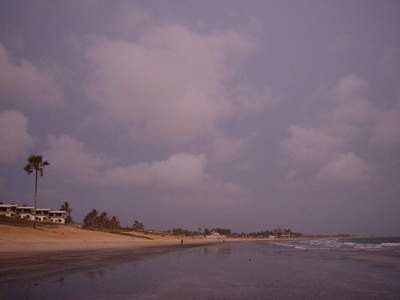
(243, 114)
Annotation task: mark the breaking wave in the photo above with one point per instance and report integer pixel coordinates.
(367, 244)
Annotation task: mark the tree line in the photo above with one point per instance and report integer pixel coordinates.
(101, 221)
(279, 232)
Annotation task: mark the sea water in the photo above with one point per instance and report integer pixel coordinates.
(302, 269)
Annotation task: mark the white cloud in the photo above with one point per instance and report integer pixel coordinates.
(67, 156)
(347, 168)
(25, 84)
(14, 137)
(351, 106)
(170, 85)
(179, 173)
(310, 145)
(326, 148)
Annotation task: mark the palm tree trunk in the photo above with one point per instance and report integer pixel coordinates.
(35, 198)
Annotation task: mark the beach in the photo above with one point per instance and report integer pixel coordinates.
(26, 252)
(19, 239)
(307, 269)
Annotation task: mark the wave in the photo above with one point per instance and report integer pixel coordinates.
(330, 244)
(390, 244)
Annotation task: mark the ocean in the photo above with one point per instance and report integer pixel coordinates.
(366, 268)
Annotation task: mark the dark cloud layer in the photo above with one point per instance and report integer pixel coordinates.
(203, 113)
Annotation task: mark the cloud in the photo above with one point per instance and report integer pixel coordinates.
(325, 149)
(26, 85)
(351, 106)
(347, 168)
(14, 137)
(310, 145)
(386, 130)
(224, 149)
(170, 85)
(68, 157)
(181, 173)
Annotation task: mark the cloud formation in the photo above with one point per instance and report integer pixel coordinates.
(347, 168)
(224, 149)
(68, 157)
(324, 148)
(179, 173)
(170, 85)
(14, 137)
(26, 85)
(312, 146)
(386, 130)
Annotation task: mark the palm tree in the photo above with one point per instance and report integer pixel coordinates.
(65, 206)
(35, 164)
(90, 219)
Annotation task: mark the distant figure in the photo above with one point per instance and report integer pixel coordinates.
(181, 242)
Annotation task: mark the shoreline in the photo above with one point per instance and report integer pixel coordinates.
(29, 254)
(34, 265)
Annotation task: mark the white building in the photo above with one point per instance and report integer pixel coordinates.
(215, 235)
(26, 212)
(42, 214)
(8, 210)
(58, 216)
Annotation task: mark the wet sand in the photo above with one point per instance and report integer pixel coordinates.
(31, 253)
(35, 265)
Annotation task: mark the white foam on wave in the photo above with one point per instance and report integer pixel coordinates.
(331, 244)
(300, 248)
(390, 244)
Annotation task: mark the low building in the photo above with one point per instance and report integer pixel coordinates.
(215, 235)
(42, 214)
(26, 212)
(8, 210)
(58, 216)
(29, 213)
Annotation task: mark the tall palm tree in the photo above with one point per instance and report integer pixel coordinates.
(65, 206)
(35, 164)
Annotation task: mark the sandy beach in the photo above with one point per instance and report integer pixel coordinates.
(31, 253)
(20, 239)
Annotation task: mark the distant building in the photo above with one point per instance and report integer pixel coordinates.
(286, 235)
(215, 235)
(42, 214)
(8, 210)
(58, 216)
(28, 213)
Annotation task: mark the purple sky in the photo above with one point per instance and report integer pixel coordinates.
(243, 114)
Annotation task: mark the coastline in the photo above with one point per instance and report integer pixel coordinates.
(33, 265)
(27, 253)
